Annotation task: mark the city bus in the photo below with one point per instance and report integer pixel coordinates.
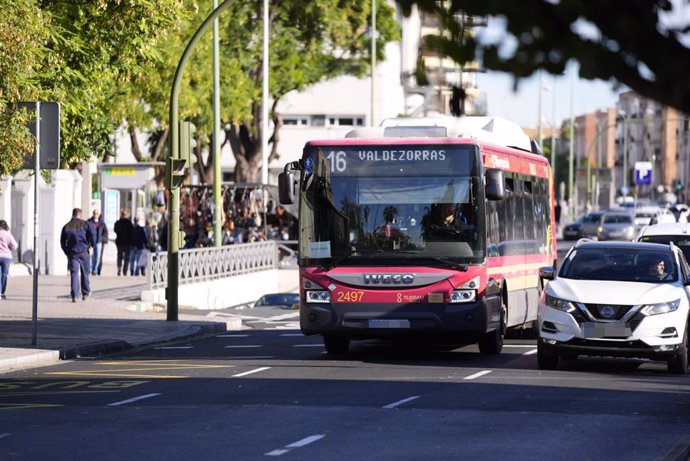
(422, 227)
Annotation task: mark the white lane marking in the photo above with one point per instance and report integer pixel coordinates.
(518, 345)
(256, 370)
(232, 336)
(400, 402)
(477, 375)
(299, 444)
(6, 434)
(305, 441)
(133, 399)
(174, 347)
(245, 346)
(292, 334)
(533, 351)
(308, 345)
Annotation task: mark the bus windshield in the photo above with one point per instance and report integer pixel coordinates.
(361, 206)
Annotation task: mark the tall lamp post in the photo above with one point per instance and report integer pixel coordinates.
(173, 167)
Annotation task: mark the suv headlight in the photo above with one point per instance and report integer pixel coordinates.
(660, 308)
(560, 304)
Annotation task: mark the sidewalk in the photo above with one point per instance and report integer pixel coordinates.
(111, 319)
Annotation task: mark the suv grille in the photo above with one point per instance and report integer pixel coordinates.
(601, 311)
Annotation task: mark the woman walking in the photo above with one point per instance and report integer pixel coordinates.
(7, 245)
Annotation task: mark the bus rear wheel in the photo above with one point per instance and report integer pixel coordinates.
(336, 344)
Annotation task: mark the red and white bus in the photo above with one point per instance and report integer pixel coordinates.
(433, 227)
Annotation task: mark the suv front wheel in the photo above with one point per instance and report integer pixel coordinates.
(545, 359)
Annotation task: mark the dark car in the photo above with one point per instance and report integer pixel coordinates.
(572, 230)
(280, 300)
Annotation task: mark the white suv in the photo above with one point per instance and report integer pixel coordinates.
(678, 233)
(616, 299)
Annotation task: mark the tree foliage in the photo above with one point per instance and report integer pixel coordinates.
(639, 43)
(309, 42)
(82, 54)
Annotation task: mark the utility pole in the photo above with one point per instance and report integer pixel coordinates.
(373, 60)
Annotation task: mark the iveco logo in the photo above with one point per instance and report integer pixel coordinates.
(388, 279)
(607, 311)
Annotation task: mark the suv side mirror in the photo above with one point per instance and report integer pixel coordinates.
(494, 184)
(547, 273)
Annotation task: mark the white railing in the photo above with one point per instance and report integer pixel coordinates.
(202, 264)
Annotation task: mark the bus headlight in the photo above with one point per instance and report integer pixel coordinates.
(660, 308)
(322, 297)
(463, 296)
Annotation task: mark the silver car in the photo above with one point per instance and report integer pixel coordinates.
(616, 226)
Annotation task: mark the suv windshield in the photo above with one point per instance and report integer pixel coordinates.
(620, 264)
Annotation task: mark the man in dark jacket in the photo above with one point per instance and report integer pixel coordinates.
(123, 241)
(76, 239)
(97, 222)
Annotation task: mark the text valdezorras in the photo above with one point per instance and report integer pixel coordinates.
(402, 155)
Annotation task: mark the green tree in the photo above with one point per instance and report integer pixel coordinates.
(309, 42)
(83, 55)
(21, 33)
(622, 41)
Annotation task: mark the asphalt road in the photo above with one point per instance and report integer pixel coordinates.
(270, 392)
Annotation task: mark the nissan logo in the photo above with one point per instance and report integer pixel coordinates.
(607, 311)
(388, 279)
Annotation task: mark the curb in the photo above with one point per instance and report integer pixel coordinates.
(37, 358)
(120, 346)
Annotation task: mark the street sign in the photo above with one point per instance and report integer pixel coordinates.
(643, 173)
(50, 134)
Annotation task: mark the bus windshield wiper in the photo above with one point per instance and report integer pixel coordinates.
(337, 261)
(448, 262)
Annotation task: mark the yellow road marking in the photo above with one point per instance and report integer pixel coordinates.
(110, 374)
(25, 406)
(20, 394)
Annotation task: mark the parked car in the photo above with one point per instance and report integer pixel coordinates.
(589, 225)
(616, 225)
(279, 300)
(665, 233)
(572, 230)
(610, 299)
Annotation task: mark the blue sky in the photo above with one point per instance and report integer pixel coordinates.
(523, 106)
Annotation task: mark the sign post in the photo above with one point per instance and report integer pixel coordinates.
(46, 130)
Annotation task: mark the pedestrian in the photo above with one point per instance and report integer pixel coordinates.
(76, 239)
(7, 245)
(123, 241)
(101, 241)
(139, 242)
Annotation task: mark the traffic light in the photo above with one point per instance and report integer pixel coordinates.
(187, 141)
(679, 185)
(174, 172)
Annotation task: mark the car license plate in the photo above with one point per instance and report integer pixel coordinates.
(389, 323)
(605, 329)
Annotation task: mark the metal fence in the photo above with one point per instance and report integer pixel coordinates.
(203, 264)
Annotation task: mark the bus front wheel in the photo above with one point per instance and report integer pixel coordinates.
(336, 344)
(491, 343)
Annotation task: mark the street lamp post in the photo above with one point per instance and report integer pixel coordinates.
(174, 208)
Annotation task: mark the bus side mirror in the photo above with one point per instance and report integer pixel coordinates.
(494, 184)
(286, 188)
